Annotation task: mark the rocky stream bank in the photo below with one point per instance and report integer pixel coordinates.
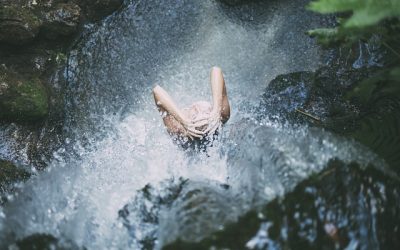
(35, 37)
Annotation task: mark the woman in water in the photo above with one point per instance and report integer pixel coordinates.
(201, 118)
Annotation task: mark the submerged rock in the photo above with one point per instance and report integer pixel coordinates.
(18, 25)
(343, 206)
(10, 174)
(45, 242)
(21, 99)
(177, 209)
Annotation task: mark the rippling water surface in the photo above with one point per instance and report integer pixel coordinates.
(115, 140)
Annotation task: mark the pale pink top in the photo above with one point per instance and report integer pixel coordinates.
(196, 111)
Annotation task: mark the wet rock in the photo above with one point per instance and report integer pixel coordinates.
(97, 9)
(61, 20)
(177, 209)
(311, 96)
(288, 92)
(10, 174)
(18, 25)
(345, 206)
(200, 209)
(320, 99)
(45, 242)
(21, 99)
(147, 206)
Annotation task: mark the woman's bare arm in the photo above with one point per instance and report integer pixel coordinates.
(220, 98)
(221, 110)
(165, 103)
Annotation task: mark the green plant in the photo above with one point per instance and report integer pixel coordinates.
(361, 20)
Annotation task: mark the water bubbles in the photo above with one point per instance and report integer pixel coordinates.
(116, 143)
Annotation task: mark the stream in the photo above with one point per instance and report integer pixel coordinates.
(116, 144)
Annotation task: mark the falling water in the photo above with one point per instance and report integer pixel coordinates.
(116, 143)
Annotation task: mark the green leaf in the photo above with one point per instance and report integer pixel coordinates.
(334, 6)
(364, 12)
(325, 36)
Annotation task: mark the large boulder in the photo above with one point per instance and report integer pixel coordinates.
(18, 25)
(45, 242)
(344, 207)
(61, 20)
(21, 100)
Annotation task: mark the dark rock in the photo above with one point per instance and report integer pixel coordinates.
(199, 208)
(18, 25)
(45, 242)
(288, 92)
(10, 174)
(97, 9)
(319, 99)
(147, 205)
(61, 20)
(21, 99)
(345, 206)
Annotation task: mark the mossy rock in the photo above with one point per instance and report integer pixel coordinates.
(22, 100)
(18, 25)
(10, 174)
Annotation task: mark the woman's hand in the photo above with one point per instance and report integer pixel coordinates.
(212, 121)
(191, 131)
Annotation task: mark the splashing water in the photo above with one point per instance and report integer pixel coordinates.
(116, 142)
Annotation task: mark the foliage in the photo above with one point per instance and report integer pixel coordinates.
(378, 95)
(364, 12)
(361, 20)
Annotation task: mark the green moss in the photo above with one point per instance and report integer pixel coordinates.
(22, 100)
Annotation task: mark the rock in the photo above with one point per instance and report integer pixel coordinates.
(319, 99)
(10, 174)
(287, 92)
(18, 25)
(61, 20)
(342, 207)
(21, 100)
(97, 9)
(45, 242)
(190, 204)
(199, 210)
